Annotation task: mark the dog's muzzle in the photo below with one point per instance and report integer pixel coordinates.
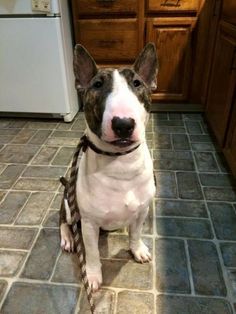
(123, 128)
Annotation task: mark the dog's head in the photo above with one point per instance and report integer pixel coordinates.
(116, 101)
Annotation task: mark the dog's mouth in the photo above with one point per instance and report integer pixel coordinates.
(122, 142)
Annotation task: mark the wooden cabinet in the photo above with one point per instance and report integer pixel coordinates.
(229, 11)
(204, 44)
(223, 81)
(107, 8)
(114, 32)
(172, 37)
(221, 100)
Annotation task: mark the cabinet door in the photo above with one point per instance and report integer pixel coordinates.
(172, 37)
(222, 81)
(230, 147)
(204, 41)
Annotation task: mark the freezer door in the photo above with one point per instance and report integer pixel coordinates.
(32, 66)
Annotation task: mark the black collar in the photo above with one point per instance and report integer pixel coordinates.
(87, 143)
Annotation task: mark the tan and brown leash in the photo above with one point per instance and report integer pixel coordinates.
(70, 196)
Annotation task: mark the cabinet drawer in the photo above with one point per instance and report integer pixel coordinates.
(104, 7)
(172, 5)
(109, 40)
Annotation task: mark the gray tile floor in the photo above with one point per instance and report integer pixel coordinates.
(191, 228)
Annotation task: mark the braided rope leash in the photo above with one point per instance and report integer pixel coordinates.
(70, 196)
(79, 247)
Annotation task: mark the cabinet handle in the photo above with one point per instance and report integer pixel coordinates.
(106, 43)
(166, 3)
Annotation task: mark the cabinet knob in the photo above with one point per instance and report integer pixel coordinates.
(170, 3)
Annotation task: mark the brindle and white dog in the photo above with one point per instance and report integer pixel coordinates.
(113, 192)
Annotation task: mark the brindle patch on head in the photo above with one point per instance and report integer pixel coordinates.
(138, 86)
(94, 99)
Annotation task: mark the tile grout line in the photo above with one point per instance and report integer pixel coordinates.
(22, 208)
(4, 168)
(216, 161)
(189, 266)
(42, 143)
(182, 217)
(36, 156)
(9, 281)
(55, 266)
(19, 133)
(43, 281)
(3, 146)
(77, 307)
(115, 301)
(14, 136)
(176, 184)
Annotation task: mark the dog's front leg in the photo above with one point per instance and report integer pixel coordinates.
(90, 232)
(137, 247)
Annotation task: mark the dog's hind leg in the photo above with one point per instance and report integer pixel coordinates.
(138, 248)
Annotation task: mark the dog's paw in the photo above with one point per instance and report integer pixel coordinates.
(141, 252)
(94, 279)
(67, 241)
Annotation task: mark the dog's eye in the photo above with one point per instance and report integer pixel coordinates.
(98, 84)
(136, 83)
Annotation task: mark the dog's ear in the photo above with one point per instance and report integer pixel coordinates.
(84, 67)
(146, 65)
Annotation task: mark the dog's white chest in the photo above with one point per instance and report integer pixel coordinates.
(113, 194)
(122, 212)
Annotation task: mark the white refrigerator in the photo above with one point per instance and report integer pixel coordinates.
(36, 56)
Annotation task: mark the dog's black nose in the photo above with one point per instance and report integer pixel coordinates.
(123, 127)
